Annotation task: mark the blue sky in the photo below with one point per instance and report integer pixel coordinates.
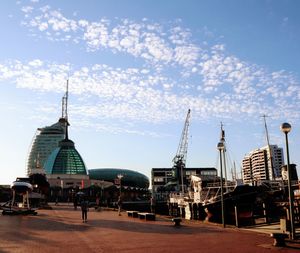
(136, 67)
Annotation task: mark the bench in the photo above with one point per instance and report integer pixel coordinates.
(176, 221)
(279, 239)
(146, 216)
(133, 214)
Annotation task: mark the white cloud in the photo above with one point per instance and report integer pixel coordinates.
(83, 23)
(96, 35)
(27, 9)
(174, 72)
(143, 95)
(146, 40)
(186, 55)
(43, 26)
(35, 63)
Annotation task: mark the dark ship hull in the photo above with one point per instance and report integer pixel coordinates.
(238, 203)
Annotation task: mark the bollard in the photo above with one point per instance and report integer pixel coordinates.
(279, 239)
(236, 216)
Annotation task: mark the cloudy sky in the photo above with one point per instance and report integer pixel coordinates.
(135, 67)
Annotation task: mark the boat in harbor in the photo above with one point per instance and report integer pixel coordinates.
(239, 201)
(202, 200)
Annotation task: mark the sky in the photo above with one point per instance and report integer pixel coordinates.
(135, 67)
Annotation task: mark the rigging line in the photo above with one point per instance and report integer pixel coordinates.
(269, 147)
(217, 166)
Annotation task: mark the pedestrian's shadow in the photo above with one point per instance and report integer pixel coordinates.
(139, 226)
(56, 223)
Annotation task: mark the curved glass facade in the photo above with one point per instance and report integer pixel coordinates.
(65, 160)
(130, 177)
(44, 142)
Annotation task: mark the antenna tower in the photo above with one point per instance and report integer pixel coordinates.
(64, 108)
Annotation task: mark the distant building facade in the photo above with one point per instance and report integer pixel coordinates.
(263, 164)
(160, 177)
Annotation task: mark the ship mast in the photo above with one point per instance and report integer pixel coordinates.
(222, 139)
(269, 147)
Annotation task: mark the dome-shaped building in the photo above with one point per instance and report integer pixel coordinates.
(134, 186)
(65, 166)
(65, 159)
(129, 177)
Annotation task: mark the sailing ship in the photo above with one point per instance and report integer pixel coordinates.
(243, 202)
(228, 200)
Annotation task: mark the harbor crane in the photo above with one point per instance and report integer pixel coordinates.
(179, 160)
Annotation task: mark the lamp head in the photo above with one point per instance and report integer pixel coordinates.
(285, 127)
(220, 146)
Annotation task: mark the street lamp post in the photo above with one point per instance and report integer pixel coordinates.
(120, 176)
(286, 128)
(221, 148)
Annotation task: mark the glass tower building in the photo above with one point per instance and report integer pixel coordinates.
(45, 141)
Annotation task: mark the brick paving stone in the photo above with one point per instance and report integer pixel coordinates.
(61, 230)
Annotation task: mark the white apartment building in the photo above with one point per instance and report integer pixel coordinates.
(258, 164)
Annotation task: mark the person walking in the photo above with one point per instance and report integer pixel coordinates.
(119, 203)
(97, 208)
(152, 204)
(75, 202)
(84, 209)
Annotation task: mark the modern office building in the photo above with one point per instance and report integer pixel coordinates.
(247, 169)
(263, 164)
(161, 176)
(45, 141)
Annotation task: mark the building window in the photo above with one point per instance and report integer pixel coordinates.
(158, 179)
(190, 172)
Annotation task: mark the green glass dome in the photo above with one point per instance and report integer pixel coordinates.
(130, 177)
(65, 160)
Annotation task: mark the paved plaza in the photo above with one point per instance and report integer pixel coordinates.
(61, 230)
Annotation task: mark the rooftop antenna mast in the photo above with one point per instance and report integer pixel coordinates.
(180, 158)
(64, 108)
(269, 147)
